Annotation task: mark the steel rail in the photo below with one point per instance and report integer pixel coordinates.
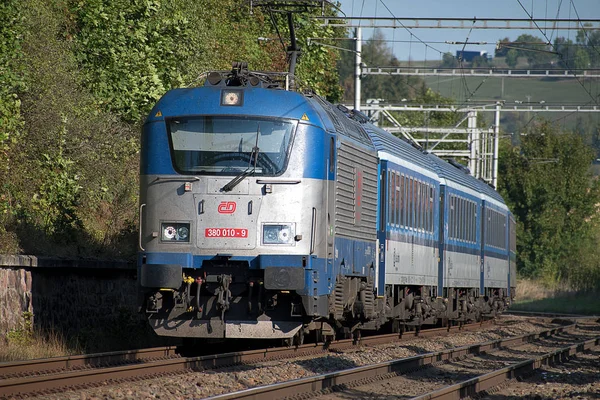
(392, 337)
(331, 380)
(492, 379)
(551, 315)
(55, 381)
(84, 360)
(48, 379)
(36, 366)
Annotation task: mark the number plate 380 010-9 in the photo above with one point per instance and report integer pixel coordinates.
(225, 233)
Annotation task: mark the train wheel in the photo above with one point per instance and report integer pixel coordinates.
(401, 329)
(356, 335)
(318, 336)
(328, 339)
(299, 338)
(396, 327)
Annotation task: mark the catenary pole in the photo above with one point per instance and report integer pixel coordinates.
(357, 69)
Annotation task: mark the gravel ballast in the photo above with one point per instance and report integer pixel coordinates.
(227, 380)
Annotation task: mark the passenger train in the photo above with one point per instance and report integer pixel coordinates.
(267, 213)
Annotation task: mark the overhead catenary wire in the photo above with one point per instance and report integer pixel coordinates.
(560, 55)
(544, 25)
(407, 29)
(557, 14)
(583, 28)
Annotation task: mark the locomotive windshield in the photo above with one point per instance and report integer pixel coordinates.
(229, 146)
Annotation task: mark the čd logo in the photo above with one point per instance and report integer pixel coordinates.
(227, 207)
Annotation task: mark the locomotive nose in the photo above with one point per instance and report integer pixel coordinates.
(227, 222)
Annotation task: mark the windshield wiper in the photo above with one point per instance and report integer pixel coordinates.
(240, 177)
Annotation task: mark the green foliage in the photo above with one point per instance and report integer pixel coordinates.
(222, 32)
(449, 61)
(537, 52)
(392, 89)
(417, 118)
(71, 160)
(547, 184)
(58, 195)
(582, 59)
(315, 69)
(76, 80)
(11, 72)
(12, 81)
(512, 58)
(590, 38)
(131, 51)
(562, 54)
(24, 334)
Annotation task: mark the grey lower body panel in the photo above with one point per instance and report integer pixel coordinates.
(225, 329)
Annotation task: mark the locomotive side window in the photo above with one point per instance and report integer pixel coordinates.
(410, 202)
(405, 201)
(419, 205)
(496, 229)
(393, 198)
(228, 146)
(462, 219)
(331, 156)
(398, 199)
(392, 190)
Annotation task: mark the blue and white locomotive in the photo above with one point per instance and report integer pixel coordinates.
(266, 213)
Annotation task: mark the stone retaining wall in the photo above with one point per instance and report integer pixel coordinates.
(90, 300)
(15, 297)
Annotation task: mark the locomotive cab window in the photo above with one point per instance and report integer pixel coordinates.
(229, 146)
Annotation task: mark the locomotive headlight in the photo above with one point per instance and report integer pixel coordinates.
(183, 232)
(231, 97)
(175, 232)
(278, 234)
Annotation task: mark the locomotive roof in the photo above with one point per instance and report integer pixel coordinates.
(258, 101)
(338, 119)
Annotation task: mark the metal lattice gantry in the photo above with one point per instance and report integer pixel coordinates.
(477, 146)
(485, 72)
(458, 23)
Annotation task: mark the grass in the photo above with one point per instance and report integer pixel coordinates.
(533, 296)
(25, 343)
(534, 90)
(124, 331)
(21, 345)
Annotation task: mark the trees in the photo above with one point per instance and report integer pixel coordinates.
(591, 40)
(547, 184)
(512, 58)
(537, 52)
(449, 61)
(562, 54)
(76, 81)
(376, 53)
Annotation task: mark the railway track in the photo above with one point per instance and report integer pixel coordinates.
(564, 342)
(61, 373)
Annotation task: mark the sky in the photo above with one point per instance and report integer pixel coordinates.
(406, 46)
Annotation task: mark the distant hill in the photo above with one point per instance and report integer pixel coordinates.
(562, 91)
